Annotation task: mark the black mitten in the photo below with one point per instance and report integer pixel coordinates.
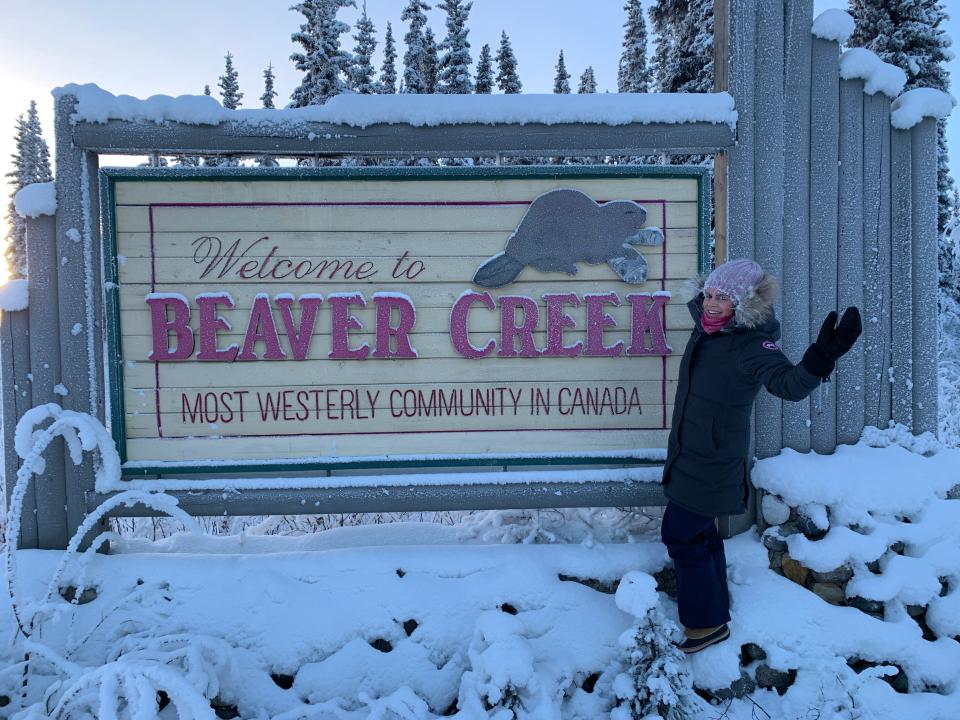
(833, 342)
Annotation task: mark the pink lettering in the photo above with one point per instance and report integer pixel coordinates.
(343, 323)
(210, 324)
(597, 321)
(261, 328)
(647, 319)
(408, 315)
(459, 334)
(557, 320)
(510, 331)
(162, 327)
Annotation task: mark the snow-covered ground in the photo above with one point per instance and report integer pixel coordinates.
(420, 620)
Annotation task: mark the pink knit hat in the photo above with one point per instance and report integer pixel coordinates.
(736, 278)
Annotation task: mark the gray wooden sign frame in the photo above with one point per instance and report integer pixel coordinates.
(823, 191)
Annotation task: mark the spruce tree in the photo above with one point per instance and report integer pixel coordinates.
(683, 61)
(454, 75)
(634, 76)
(361, 75)
(322, 62)
(388, 70)
(31, 164)
(206, 90)
(267, 100)
(561, 81)
(484, 85)
(413, 58)
(588, 83)
(268, 92)
(910, 34)
(229, 84)
(431, 62)
(507, 79)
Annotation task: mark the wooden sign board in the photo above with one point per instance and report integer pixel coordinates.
(291, 319)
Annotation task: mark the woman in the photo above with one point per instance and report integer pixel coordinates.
(731, 353)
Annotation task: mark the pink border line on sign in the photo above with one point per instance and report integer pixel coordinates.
(465, 203)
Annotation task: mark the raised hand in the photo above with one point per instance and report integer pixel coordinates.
(833, 342)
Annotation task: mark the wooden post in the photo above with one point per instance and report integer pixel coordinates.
(796, 209)
(925, 331)
(850, 368)
(43, 265)
(743, 35)
(15, 358)
(824, 181)
(768, 172)
(79, 296)
(901, 271)
(876, 259)
(721, 82)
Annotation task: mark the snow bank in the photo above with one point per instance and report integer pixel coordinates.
(878, 76)
(36, 199)
(99, 106)
(915, 105)
(14, 295)
(834, 24)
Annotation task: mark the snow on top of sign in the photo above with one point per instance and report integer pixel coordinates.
(14, 295)
(99, 106)
(877, 75)
(915, 105)
(834, 24)
(36, 199)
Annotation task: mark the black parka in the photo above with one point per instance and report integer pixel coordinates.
(708, 453)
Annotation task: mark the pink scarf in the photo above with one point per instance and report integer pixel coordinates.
(711, 324)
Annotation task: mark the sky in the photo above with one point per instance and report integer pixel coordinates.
(175, 47)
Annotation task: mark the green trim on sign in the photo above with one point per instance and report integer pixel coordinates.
(111, 294)
(110, 176)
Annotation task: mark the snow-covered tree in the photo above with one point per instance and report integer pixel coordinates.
(454, 75)
(484, 84)
(206, 90)
(507, 79)
(229, 84)
(431, 62)
(634, 76)
(656, 683)
(362, 72)
(323, 63)
(268, 92)
(388, 70)
(267, 100)
(414, 57)
(561, 81)
(910, 34)
(588, 82)
(31, 164)
(683, 61)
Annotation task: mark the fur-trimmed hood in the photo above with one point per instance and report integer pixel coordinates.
(753, 311)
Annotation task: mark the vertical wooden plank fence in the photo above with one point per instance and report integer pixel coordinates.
(901, 230)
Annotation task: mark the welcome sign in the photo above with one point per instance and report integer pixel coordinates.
(283, 318)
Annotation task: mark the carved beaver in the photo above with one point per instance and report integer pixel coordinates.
(563, 227)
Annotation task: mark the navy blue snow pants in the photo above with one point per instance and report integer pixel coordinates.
(695, 546)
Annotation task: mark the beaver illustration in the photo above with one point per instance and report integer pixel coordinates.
(563, 227)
